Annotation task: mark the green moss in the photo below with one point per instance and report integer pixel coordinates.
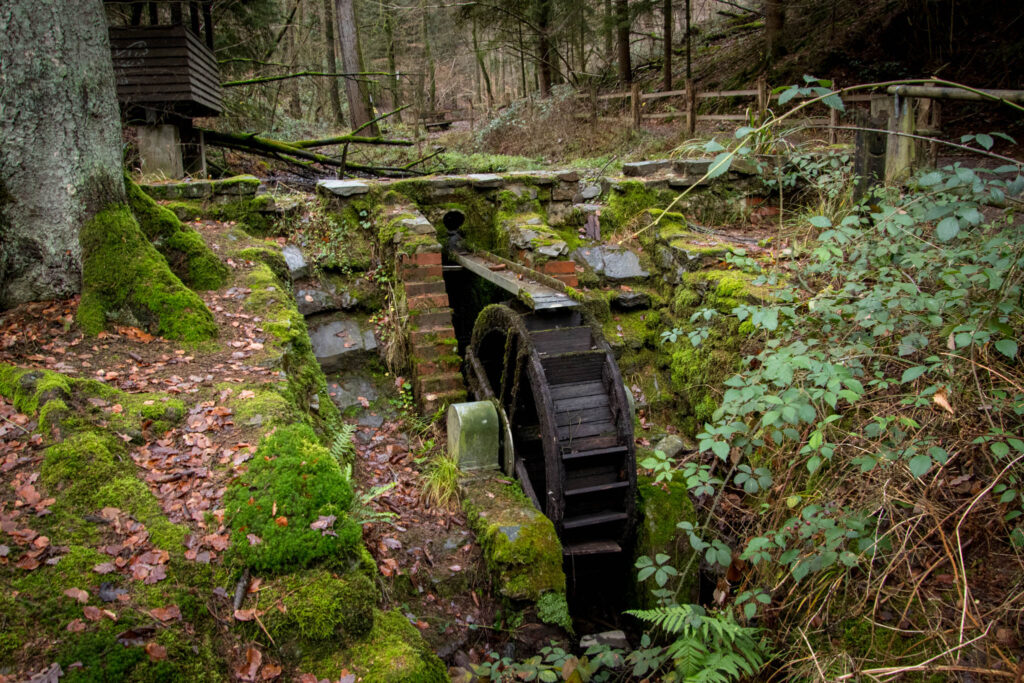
(553, 609)
(29, 389)
(78, 467)
(292, 480)
(187, 255)
(9, 644)
(519, 544)
(627, 204)
(317, 605)
(289, 341)
(272, 257)
(126, 280)
(185, 210)
(662, 506)
(393, 652)
(267, 408)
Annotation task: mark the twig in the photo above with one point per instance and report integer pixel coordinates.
(240, 590)
(15, 424)
(300, 74)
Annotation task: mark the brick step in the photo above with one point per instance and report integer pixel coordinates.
(438, 384)
(436, 367)
(426, 301)
(433, 288)
(431, 319)
(422, 259)
(419, 273)
(432, 351)
(431, 334)
(570, 280)
(559, 268)
(431, 403)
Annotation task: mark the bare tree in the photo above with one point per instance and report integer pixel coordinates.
(356, 91)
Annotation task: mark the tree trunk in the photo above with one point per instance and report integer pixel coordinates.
(666, 79)
(389, 36)
(356, 91)
(774, 26)
(483, 69)
(544, 51)
(428, 56)
(65, 224)
(607, 30)
(622, 39)
(334, 93)
(53, 177)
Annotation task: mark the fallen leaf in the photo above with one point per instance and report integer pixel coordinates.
(254, 539)
(270, 672)
(92, 613)
(77, 594)
(281, 521)
(247, 670)
(27, 563)
(940, 400)
(76, 626)
(245, 614)
(156, 652)
(166, 613)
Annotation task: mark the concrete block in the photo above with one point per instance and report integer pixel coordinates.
(160, 150)
(343, 188)
(473, 435)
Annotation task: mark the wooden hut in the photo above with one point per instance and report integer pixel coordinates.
(166, 76)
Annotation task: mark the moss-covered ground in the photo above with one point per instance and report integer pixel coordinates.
(149, 475)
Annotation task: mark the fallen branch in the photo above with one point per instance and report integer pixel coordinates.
(350, 139)
(301, 74)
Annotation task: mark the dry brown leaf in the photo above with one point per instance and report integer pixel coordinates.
(166, 613)
(247, 670)
(270, 672)
(92, 613)
(245, 614)
(76, 626)
(943, 402)
(77, 594)
(156, 651)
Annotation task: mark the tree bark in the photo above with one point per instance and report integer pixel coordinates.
(774, 27)
(666, 79)
(356, 92)
(389, 36)
(622, 39)
(60, 158)
(543, 16)
(334, 93)
(65, 223)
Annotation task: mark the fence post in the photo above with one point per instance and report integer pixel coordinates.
(762, 97)
(634, 101)
(691, 107)
(833, 122)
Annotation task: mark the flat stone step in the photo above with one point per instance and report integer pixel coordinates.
(341, 344)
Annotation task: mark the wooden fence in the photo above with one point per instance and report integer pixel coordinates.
(760, 96)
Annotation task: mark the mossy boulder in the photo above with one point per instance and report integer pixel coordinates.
(318, 605)
(393, 652)
(661, 507)
(187, 255)
(520, 547)
(292, 482)
(126, 280)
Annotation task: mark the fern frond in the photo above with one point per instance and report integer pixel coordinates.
(342, 446)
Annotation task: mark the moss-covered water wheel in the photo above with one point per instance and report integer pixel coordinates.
(557, 384)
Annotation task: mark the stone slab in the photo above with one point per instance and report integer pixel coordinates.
(296, 262)
(343, 188)
(613, 263)
(636, 169)
(340, 344)
(473, 435)
(485, 180)
(346, 392)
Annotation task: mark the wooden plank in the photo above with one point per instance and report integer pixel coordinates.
(524, 481)
(596, 453)
(590, 443)
(722, 117)
(728, 93)
(580, 403)
(578, 389)
(583, 366)
(527, 290)
(594, 519)
(577, 417)
(596, 488)
(572, 432)
(663, 94)
(591, 548)
(563, 340)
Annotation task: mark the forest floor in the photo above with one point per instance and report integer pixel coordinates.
(429, 564)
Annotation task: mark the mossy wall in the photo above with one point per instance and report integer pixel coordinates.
(187, 255)
(661, 507)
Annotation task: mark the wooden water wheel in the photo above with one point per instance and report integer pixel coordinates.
(564, 405)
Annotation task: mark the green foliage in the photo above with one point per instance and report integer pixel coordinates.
(126, 280)
(292, 482)
(553, 664)
(706, 647)
(552, 608)
(441, 481)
